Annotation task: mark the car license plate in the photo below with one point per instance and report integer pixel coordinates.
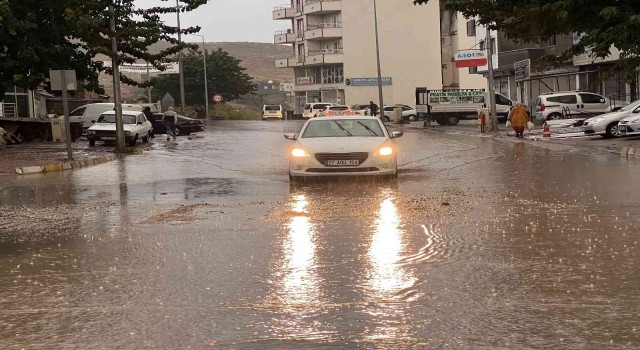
(108, 138)
(343, 162)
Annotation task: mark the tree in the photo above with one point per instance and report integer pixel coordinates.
(39, 35)
(599, 25)
(225, 76)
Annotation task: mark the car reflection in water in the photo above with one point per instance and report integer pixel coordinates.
(390, 285)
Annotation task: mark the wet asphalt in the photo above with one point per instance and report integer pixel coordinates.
(205, 244)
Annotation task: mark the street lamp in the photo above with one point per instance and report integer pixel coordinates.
(206, 82)
(380, 94)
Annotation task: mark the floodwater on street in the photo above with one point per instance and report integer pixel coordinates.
(205, 244)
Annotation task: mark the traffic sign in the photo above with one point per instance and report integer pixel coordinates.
(217, 98)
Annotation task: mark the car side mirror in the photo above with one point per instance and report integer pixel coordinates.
(291, 136)
(396, 134)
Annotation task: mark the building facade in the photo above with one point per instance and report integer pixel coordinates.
(334, 50)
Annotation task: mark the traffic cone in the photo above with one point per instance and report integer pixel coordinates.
(547, 131)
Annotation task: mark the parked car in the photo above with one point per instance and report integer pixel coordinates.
(272, 112)
(336, 110)
(136, 126)
(408, 112)
(359, 109)
(630, 125)
(312, 110)
(184, 126)
(607, 124)
(89, 113)
(343, 146)
(555, 105)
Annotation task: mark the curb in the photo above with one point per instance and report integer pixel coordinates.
(630, 153)
(76, 164)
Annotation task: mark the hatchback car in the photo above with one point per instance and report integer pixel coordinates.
(343, 146)
(184, 125)
(408, 112)
(607, 125)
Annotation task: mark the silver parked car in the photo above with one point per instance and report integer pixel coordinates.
(606, 125)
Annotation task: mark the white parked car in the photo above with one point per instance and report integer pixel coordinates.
(607, 124)
(272, 112)
(89, 113)
(312, 110)
(136, 126)
(408, 112)
(631, 124)
(336, 110)
(554, 105)
(343, 146)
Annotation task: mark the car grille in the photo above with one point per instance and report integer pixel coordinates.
(359, 156)
(342, 170)
(105, 133)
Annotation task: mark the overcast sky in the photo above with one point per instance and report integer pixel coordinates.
(230, 20)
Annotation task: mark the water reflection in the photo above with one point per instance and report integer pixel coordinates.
(390, 284)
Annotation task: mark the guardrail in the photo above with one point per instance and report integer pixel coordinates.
(324, 25)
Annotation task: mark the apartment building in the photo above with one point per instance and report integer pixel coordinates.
(334, 53)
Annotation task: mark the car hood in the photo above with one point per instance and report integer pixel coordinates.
(342, 144)
(109, 126)
(610, 117)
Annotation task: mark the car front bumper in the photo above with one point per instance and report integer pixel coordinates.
(373, 166)
(593, 130)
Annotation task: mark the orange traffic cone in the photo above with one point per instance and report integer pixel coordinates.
(547, 131)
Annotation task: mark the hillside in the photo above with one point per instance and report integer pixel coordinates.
(257, 58)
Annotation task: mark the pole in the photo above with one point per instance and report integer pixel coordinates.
(380, 94)
(120, 146)
(206, 81)
(65, 108)
(492, 92)
(180, 65)
(148, 88)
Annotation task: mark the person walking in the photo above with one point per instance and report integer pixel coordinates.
(169, 118)
(373, 108)
(519, 119)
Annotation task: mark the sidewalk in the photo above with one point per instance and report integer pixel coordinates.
(41, 154)
(563, 138)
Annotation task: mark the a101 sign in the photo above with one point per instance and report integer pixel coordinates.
(471, 58)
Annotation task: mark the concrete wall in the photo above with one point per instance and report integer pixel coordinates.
(409, 45)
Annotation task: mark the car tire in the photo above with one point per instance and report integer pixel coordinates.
(386, 119)
(92, 142)
(412, 118)
(452, 120)
(441, 122)
(145, 139)
(133, 141)
(555, 116)
(612, 131)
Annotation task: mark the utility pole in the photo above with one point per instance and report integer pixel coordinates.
(148, 79)
(206, 82)
(180, 65)
(120, 146)
(380, 94)
(492, 92)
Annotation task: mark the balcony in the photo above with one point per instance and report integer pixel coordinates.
(284, 37)
(284, 12)
(320, 7)
(330, 56)
(288, 62)
(324, 31)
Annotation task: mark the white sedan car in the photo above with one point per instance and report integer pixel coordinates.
(136, 126)
(607, 125)
(343, 146)
(630, 125)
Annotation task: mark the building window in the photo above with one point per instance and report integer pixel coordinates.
(482, 46)
(471, 27)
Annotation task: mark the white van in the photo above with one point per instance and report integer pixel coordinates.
(272, 111)
(312, 110)
(88, 114)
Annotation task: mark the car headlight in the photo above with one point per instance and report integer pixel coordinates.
(91, 132)
(299, 153)
(595, 120)
(385, 151)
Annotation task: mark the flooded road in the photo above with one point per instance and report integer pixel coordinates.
(478, 244)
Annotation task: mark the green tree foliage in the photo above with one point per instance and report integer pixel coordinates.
(225, 76)
(39, 35)
(598, 25)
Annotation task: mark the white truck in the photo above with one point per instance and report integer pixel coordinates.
(448, 107)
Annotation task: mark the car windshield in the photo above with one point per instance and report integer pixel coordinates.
(111, 118)
(631, 106)
(271, 108)
(343, 128)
